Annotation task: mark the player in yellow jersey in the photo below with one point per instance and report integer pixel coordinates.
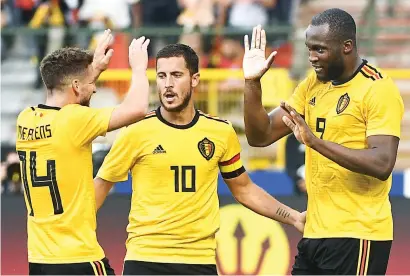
(174, 156)
(340, 113)
(54, 146)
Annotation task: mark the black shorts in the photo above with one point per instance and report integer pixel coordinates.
(151, 268)
(90, 268)
(344, 256)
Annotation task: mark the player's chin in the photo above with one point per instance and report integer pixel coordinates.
(85, 102)
(322, 76)
(88, 101)
(172, 107)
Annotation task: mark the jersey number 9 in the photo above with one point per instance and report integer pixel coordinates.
(321, 126)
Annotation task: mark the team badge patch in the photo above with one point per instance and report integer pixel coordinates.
(342, 104)
(206, 148)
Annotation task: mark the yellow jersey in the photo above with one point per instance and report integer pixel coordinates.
(54, 147)
(174, 213)
(342, 203)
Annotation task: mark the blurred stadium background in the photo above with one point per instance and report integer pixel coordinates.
(214, 28)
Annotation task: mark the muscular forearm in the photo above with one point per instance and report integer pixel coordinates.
(137, 97)
(256, 119)
(102, 188)
(371, 162)
(256, 199)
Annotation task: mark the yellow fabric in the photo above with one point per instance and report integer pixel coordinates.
(39, 17)
(342, 203)
(276, 86)
(56, 17)
(51, 13)
(55, 153)
(174, 207)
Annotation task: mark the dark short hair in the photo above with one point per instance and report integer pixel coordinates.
(341, 24)
(181, 50)
(63, 63)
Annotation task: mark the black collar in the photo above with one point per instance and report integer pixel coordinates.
(191, 124)
(43, 106)
(352, 76)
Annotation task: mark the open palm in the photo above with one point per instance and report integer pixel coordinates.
(102, 57)
(298, 125)
(254, 62)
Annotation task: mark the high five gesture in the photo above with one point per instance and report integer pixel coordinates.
(254, 62)
(102, 57)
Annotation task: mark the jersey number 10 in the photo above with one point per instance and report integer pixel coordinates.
(183, 184)
(48, 180)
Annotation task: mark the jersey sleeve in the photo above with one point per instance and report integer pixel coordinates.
(84, 124)
(298, 98)
(383, 109)
(230, 163)
(120, 158)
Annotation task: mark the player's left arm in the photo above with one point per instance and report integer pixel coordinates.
(116, 165)
(102, 189)
(248, 193)
(383, 110)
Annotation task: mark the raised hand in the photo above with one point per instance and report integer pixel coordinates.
(254, 63)
(298, 125)
(138, 54)
(102, 57)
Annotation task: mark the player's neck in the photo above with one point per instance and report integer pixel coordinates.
(183, 117)
(351, 68)
(58, 99)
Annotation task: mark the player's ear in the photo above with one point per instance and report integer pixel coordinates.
(75, 84)
(348, 46)
(195, 80)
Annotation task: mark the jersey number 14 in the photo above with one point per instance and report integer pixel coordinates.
(48, 180)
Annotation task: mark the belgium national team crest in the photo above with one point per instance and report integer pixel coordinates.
(342, 104)
(206, 148)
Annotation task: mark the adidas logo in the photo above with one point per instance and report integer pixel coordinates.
(159, 149)
(312, 101)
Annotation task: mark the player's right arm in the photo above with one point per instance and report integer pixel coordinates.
(116, 165)
(262, 129)
(84, 124)
(135, 104)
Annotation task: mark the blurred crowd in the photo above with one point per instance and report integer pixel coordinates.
(121, 14)
(78, 23)
(11, 182)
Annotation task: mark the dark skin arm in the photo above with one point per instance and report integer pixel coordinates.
(261, 129)
(377, 160)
